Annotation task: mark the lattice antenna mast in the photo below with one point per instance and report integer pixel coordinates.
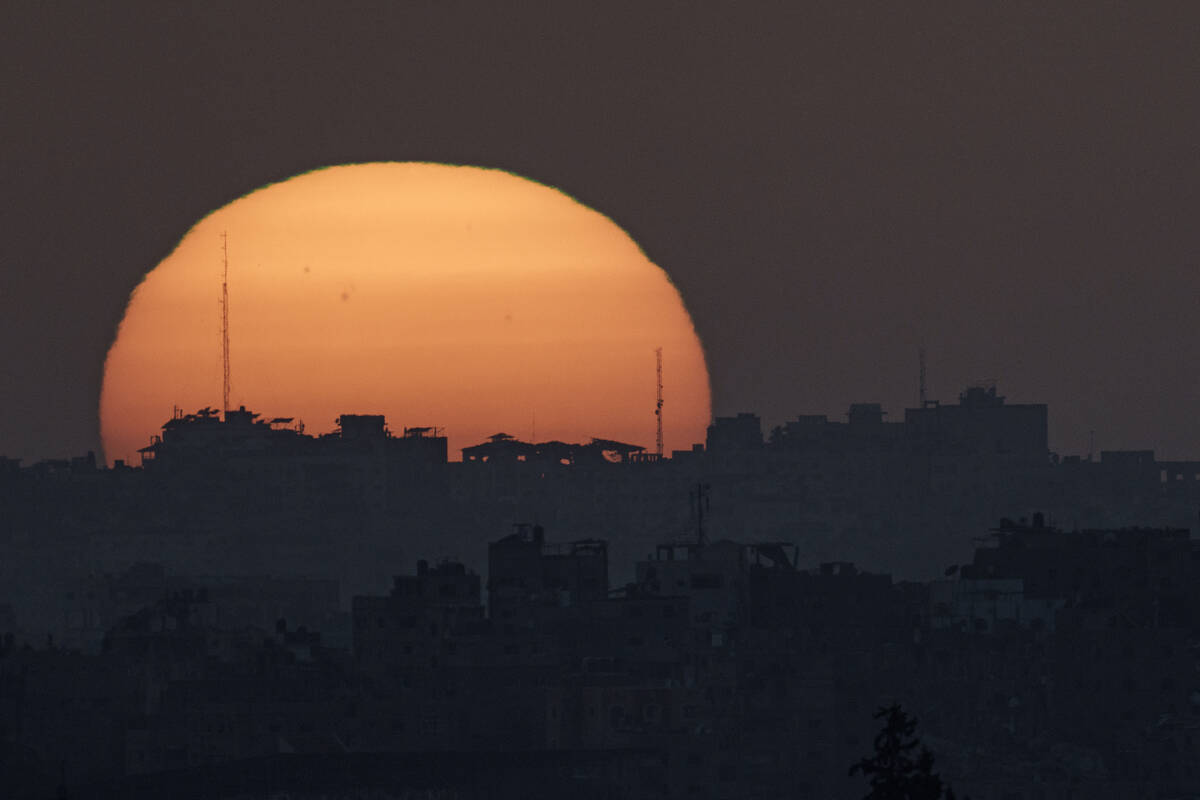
(921, 359)
(658, 405)
(225, 324)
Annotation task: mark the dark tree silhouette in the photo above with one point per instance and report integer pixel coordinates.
(894, 772)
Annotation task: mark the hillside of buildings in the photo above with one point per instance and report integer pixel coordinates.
(1054, 664)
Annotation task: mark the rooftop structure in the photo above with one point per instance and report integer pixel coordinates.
(501, 448)
(206, 437)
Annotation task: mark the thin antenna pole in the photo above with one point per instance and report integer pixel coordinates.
(921, 359)
(658, 405)
(225, 324)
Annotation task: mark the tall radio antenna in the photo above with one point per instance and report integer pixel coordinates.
(659, 402)
(225, 324)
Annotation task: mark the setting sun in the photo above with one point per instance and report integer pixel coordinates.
(459, 297)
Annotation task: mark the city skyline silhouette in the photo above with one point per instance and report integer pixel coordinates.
(936, 270)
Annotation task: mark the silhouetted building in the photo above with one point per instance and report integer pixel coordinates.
(981, 423)
(527, 574)
(414, 624)
(743, 432)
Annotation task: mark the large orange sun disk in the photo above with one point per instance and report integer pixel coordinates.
(460, 297)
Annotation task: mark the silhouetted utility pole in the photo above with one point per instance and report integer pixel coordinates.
(225, 323)
(659, 403)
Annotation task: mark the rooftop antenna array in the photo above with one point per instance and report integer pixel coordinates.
(658, 403)
(225, 323)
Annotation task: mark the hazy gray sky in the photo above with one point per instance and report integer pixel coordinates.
(1014, 186)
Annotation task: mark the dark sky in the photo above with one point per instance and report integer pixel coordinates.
(1017, 187)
